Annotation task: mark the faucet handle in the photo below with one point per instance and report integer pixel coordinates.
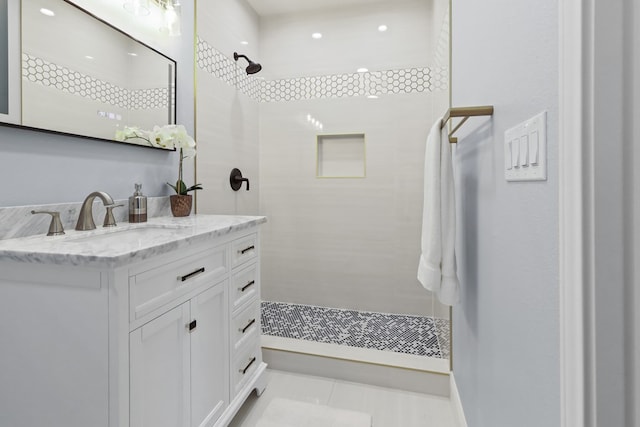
(55, 227)
(109, 219)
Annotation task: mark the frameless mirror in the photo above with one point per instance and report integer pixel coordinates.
(82, 76)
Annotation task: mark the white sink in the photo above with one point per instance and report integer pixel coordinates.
(129, 234)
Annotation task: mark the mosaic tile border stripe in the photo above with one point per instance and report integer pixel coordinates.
(144, 99)
(423, 336)
(384, 82)
(41, 71)
(226, 69)
(411, 80)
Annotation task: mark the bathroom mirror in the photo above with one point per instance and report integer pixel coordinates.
(84, 77)
(10, 61)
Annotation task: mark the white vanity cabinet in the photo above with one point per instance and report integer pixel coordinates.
(245, 351)
(169, 340)
(160, 371)
(178, 367)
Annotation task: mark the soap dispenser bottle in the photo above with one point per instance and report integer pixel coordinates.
(138, 206)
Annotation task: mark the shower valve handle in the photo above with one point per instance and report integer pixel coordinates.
(236, 180)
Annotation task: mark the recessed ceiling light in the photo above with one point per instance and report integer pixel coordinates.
(47, 12)
(372, 96)
(382, 28)
(244, 42)
(132, 54)
(362, 70)
(316, 35)
(88, 56)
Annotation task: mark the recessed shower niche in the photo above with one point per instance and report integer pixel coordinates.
(341, 156)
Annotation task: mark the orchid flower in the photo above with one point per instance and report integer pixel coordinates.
(167, 136)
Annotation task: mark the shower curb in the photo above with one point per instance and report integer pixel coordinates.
(374, 367)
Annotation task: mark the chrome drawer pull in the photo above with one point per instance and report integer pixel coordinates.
(245, 250)
(251, 322)
(246, 368)
(244, 288)
(190, 275)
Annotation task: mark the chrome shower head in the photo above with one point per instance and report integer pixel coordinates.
(252, 68)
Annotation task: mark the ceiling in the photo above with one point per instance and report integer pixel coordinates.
(277, 7)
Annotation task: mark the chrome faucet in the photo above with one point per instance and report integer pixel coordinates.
(85, 219)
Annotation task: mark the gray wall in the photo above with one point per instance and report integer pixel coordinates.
(614, 317)
(37, 167)
(4, 66)
(608, 217)
(505, 329)
(633, 266)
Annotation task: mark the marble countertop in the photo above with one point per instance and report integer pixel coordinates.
(125, 243)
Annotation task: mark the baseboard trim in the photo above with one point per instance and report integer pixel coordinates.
(456, 403)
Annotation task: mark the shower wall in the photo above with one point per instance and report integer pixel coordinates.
(226, 106)
(349, 242)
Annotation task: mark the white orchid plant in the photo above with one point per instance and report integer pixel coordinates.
(167, 136)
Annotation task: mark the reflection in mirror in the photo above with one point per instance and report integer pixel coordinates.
(10, 61)
(82, 76)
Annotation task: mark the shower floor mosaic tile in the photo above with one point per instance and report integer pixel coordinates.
(423, 336)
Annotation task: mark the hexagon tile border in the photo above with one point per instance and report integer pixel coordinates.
(226, 69)
(39, 71)
(383, 82)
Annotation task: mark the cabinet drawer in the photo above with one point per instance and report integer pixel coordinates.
(244, 249)
(245, 327)
(153, 288)
(244, 286)
(243, 368)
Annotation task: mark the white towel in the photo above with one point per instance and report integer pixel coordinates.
(437, 266)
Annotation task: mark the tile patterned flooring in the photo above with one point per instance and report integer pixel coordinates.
(423, 336)
(388, 407)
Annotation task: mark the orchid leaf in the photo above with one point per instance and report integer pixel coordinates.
(181, 188)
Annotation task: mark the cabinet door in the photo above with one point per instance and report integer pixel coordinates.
(159, 370)
(209, 356)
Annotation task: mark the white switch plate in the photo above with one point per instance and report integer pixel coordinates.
(525, 150)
